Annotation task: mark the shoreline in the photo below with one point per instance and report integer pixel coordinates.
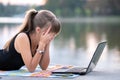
(102, 19)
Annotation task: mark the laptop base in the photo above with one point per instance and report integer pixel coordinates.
(80, 73)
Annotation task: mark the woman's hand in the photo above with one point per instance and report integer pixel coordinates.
(45, 38)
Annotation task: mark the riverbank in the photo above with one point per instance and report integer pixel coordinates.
(100, 19)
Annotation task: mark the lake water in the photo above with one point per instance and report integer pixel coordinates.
(77, 42)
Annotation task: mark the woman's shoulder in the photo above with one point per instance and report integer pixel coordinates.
(21, 40)
(22, 36)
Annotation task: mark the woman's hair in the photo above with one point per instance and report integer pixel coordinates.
(33, 19)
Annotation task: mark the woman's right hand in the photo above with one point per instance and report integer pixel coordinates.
(45, 38)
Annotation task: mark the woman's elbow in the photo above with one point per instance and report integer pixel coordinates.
(43, 68)
(31, 70)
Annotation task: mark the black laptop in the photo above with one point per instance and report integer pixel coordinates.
(83, 71)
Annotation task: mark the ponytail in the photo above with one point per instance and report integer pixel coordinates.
(26, 26)
(28, 22)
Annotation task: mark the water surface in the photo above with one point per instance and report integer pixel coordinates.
(77, 42)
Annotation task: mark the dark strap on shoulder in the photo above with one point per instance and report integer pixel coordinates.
(30, 41)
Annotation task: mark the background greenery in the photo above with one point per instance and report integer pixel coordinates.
(68, 8)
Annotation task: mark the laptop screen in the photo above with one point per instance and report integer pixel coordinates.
(96, 56)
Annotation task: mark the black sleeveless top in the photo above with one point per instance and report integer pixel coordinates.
(11, 60)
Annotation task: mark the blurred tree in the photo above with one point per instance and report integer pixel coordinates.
(11, 10)
(106, 7)
(1, 8)
(115, 6)
(88, 12)
(78, 11)
(66, 7)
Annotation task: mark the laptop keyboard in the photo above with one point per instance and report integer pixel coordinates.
(75, 69)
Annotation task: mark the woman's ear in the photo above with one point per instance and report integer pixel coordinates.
(38, 30)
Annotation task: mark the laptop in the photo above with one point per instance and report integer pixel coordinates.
(83, 71)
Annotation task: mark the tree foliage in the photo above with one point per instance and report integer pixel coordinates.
(11, 10)
(69, 8)
(84, 7)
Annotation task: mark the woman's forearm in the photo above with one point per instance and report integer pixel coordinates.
(44, 62)
(45, 59)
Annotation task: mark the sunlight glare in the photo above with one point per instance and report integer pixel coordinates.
(25, 2)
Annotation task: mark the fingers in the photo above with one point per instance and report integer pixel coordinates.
(45, 38)
(48, 30)
(49, 38)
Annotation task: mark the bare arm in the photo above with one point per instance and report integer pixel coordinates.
(23, 47)
(45, 59)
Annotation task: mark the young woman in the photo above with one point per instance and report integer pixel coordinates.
(30, 46)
